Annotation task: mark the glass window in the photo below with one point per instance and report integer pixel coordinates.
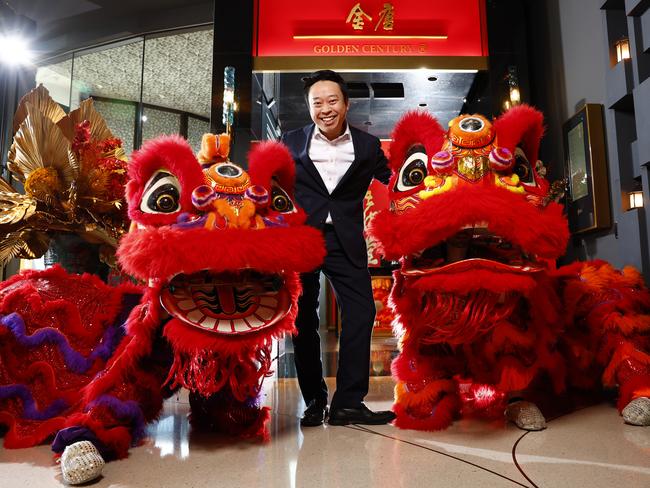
(120, 118)
(56, 77)
(170, 74)
(195, 129)
(156, 122)
(112, 76)
(177, 84)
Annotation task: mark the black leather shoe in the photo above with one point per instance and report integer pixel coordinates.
(315, 414)
(359, 415)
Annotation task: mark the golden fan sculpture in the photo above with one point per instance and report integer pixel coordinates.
(73, 171)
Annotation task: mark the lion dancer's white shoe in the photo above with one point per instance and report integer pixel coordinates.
(637, 412)
(525, 415)
(80, 463)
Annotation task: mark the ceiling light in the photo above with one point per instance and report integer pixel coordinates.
(144, 118)
(14, 50)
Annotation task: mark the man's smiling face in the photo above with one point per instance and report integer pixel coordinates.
(327, 108)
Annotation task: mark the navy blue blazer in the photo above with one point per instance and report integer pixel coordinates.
(345, 204)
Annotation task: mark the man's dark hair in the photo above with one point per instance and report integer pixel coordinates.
(325, 75)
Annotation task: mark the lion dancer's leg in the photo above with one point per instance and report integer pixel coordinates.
(614, 307)
(633, 378)
(235, 408)
(115, 419)
(426, 394)
(627, 363)
(520, 348)
(224, 378)
(118, 404)
(223, 412)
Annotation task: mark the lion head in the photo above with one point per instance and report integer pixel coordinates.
(471, 219)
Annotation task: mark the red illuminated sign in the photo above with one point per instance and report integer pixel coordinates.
(370, 28)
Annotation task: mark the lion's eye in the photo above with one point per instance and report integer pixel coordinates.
(414, 176)
(161, 194)
(522, 171)
(280, 201)
(167, 201)
(413, 171)
(522, 168)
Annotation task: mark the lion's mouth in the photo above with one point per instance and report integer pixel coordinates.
(231, 303)
(472, 247)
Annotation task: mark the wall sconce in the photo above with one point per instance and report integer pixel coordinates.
(622, 49)
(636, 199)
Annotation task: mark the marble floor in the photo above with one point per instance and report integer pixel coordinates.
(591, 447)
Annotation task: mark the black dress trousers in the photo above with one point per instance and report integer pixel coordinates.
(353, 290)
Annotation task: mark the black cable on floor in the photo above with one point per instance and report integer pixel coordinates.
(514, 447)
(514, 459)
(370, 431)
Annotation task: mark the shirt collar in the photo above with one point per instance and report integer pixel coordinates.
(343, 137)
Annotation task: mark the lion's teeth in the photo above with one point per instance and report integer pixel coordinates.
(483, 224)
(254, 321)
(195, 316)
(241, 325)
(265, 313)
(224, 326)
(209, 323)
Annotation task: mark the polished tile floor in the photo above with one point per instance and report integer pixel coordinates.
(588, 448)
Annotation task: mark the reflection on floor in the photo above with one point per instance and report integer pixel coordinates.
(382, 352)
(588, 448)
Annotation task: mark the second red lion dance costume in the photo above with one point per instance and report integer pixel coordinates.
(482, 313)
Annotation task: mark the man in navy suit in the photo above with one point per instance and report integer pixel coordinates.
(335, 164)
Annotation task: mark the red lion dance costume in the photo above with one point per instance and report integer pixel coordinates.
(482, 313)
(221, 251)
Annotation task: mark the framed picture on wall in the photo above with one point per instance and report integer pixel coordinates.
(586, 167)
